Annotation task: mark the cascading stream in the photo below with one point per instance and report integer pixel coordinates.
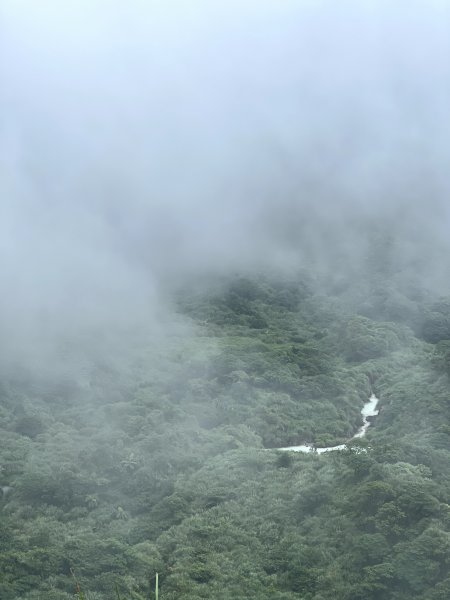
(369, 410)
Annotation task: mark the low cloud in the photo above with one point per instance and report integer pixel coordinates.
(148, 142)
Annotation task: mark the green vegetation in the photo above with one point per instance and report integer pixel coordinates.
(165, 463)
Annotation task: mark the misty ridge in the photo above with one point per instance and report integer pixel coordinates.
(224, 236)
(145, 146)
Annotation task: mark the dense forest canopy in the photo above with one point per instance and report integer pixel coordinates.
(222, 228)
(161, 461)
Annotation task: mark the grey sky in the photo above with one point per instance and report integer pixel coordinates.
(141, 140)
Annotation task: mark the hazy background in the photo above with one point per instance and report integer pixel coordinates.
(143, 143)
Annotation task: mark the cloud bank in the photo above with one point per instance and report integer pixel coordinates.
(146, 142)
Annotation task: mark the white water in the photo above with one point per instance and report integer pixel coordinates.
(369, 410)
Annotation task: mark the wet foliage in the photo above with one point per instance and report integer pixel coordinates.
(166, 462)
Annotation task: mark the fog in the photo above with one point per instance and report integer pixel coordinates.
(145, 143)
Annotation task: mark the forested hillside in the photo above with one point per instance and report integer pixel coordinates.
(164, 459)
(224, 227)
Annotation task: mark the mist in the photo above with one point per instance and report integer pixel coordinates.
(145, 144)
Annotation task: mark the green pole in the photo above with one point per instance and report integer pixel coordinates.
(156, 587)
